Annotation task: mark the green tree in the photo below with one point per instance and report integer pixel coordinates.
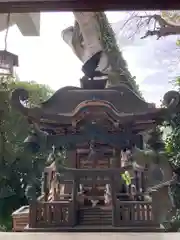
(173, 151)
(17, 167)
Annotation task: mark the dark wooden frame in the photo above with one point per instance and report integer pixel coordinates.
(88, 5)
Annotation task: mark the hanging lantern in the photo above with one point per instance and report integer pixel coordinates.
(7, 62)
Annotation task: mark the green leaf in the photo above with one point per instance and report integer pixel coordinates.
(178, 42)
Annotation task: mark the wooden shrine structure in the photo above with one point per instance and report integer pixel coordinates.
(94, 124)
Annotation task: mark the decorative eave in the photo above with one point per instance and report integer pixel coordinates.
(71, 105)
(69, 101)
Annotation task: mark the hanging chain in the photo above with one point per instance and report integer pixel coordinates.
(7, 30)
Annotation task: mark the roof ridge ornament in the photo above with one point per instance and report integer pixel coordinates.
(171, 99)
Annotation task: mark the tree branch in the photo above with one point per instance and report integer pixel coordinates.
(163, 32)
(158, 19)
(159, 27)
(164, 29)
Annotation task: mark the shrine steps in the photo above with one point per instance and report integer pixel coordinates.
(93, 216)
(96, 228)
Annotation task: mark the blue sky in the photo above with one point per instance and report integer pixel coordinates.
(47, 59)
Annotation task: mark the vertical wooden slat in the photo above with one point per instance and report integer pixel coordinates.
(128, 211)
(132, 212)
(138, 211)
(46, 213)
(113, 194)
(124, 215)
(136, 181)
(46, 188)
(149, 212)
(73, 217)
(135, 212)
(57, 213)
(50, 212)
(117, 164)
(144, 212)
(32, 214)
(142, 184)
(155, 206)
(117, 213)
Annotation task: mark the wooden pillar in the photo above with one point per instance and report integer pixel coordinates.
(74, 202)
(42, 184)
(117, 164)
(156, 209)
(142, 184)
(136, 173)
(71, 159)
(117, 158)
(140, 142)
(32, 214)
(115, 186)
(114, 200)
(45, 186)
(71, 163)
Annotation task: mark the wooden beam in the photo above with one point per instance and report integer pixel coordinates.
(93, 172)
(119, 139)
(87, 182)
(23, 6)
(86, 151)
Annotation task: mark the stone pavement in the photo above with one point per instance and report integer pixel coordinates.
(89, 236)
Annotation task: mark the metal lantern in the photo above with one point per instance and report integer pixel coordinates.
(7, 62)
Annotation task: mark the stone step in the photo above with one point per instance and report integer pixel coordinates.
(97, 228)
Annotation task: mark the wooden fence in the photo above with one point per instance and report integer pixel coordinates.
(134, 213)
(51, 214)
(63, 214)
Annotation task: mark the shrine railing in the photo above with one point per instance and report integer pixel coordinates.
(134, 213)
(51, 214)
